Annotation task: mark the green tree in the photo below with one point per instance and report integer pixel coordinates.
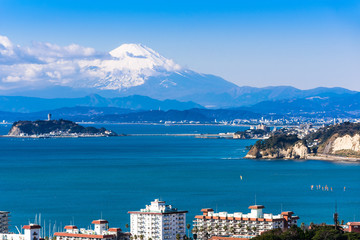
(178, 236)
(127, 227)
(188, 228)
(302, 226)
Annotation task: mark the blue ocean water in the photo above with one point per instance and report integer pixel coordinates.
(82, 179)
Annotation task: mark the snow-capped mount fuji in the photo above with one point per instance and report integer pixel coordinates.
(137, 69)
(129, 65)
(126, 66)
(138, 56)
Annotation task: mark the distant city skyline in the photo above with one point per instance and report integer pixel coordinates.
(305, 44)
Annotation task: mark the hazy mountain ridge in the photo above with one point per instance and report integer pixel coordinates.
(341, 105)
(135, 102)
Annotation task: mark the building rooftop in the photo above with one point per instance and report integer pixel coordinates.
(70, 227)
(256, 207)
(353, 223)
(256, 212)
(32, 226)
(80, 235)
(158, 207)
(100, 221)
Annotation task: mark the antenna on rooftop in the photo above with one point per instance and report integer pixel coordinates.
(255, 199)
(281, 207)
(101, 215)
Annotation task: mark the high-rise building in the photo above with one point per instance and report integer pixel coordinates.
(158, 221)
(4, 221)
(240, 225)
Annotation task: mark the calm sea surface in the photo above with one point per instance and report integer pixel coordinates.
(81, 179)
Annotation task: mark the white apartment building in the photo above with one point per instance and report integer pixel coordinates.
(239, 224)
(31, 232)
(4, 221)
(158, 221)
(101, 231)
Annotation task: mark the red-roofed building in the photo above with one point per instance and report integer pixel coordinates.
(101, 231)
(239, 225)
(352, 227)
(31, 232)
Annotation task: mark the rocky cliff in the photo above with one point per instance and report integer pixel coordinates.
(337, 140)
(279, 147)
(347, 145)
(55, 128)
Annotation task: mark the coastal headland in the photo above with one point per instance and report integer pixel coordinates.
(55, 128)
(340, 142)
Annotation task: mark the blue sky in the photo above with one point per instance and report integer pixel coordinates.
(257, 43)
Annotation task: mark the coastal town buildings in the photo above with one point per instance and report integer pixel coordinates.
(101, 231)
(158, 221)
(239, 224)
(4, 221)
(31, 232)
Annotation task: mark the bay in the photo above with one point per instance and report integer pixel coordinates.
(81, 179)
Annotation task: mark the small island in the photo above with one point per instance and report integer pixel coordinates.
(340, 142)
(56, 128)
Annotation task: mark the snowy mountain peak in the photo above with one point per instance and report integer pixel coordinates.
(133, 50)
(138, 56)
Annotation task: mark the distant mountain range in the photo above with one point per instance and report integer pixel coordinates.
(144, 109)
(334, 105)
(135, 102)
(49, 71)
(133, 78)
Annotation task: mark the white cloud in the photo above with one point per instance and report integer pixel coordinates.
(46, 64)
